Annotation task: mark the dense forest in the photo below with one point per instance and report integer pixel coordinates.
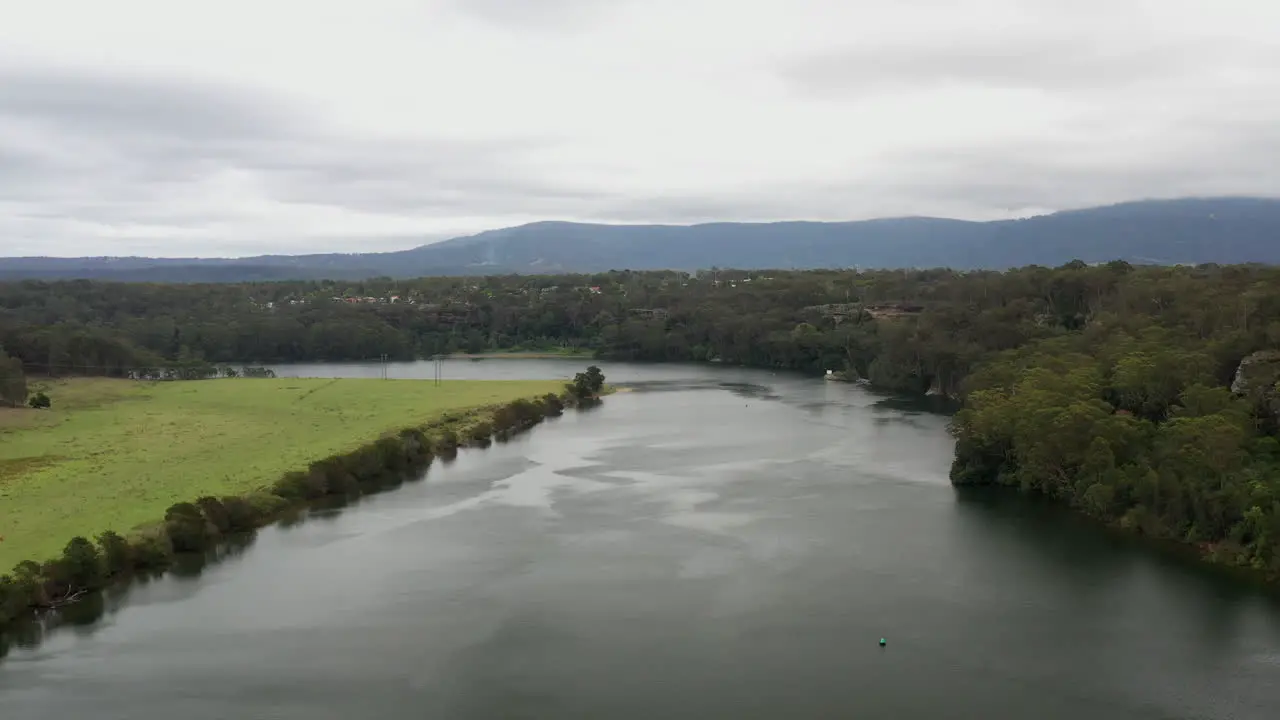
(906, 331)
(1144, 396)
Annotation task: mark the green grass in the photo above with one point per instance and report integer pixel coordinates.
(114, 454)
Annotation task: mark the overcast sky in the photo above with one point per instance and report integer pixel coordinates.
(238, 127)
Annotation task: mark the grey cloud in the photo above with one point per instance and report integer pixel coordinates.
(1231, 158)
(1075, 63)
(116, 151)
(1228, 154)
(1171, 123)
(421, 177)
(114, 134)
(127, 106)
(538, 14)
(17, 163)
(700, 208)
(89, 156)
(195, 123)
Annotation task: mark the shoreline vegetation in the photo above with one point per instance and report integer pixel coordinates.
(112, 454)
(566, 353)
(1144, 396)
(209, 517)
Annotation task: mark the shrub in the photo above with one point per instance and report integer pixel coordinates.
(82, 565)
(12, 601)
(117, 555)
(297, 486)
(553, 405)
(504, 418)
(152, 551)
(265, 504)
(447, 440)
(216, 513)
(29, 584)
(187, 528)
(480, 433)
(19, 593)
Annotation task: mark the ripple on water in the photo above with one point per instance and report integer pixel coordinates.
(692, 551)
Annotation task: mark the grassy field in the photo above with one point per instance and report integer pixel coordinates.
(114, 454)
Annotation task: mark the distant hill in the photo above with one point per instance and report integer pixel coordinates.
(1187, 231)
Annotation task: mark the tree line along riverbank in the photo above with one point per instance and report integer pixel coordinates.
(135, 474)
(1144, 396)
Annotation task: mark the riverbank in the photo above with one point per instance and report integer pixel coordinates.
(114, 454)
(524, 355)
(256, 418)
(738, 520)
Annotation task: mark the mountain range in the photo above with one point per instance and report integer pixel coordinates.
(1189, 231)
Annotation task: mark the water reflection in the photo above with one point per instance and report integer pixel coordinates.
(1078, 545)
(931, 404)
(686, 550)
(84, 616)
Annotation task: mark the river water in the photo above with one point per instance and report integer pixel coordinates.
(716, 543)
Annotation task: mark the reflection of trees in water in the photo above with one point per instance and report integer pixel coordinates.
(925, 404)
(1077, 546)
(1095, 563)
(83, 615)
(750, 391)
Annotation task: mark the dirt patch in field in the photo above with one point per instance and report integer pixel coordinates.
(18, 418)
(14, 467)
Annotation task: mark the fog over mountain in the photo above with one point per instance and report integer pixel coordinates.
(1188, 231)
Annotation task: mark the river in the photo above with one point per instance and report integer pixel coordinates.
(715, 543)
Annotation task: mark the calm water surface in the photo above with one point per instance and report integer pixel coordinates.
(717, 543)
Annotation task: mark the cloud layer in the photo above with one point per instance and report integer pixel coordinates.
(241, 128)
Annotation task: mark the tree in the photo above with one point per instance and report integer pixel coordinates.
(187, 528)
(1109, 388)
(587, 384)
(117, 556)
(595, 379)
(13, 382)
(83, 565)
(12, 600)
(215, 513)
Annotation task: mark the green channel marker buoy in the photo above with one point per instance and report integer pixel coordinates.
(882, 642)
